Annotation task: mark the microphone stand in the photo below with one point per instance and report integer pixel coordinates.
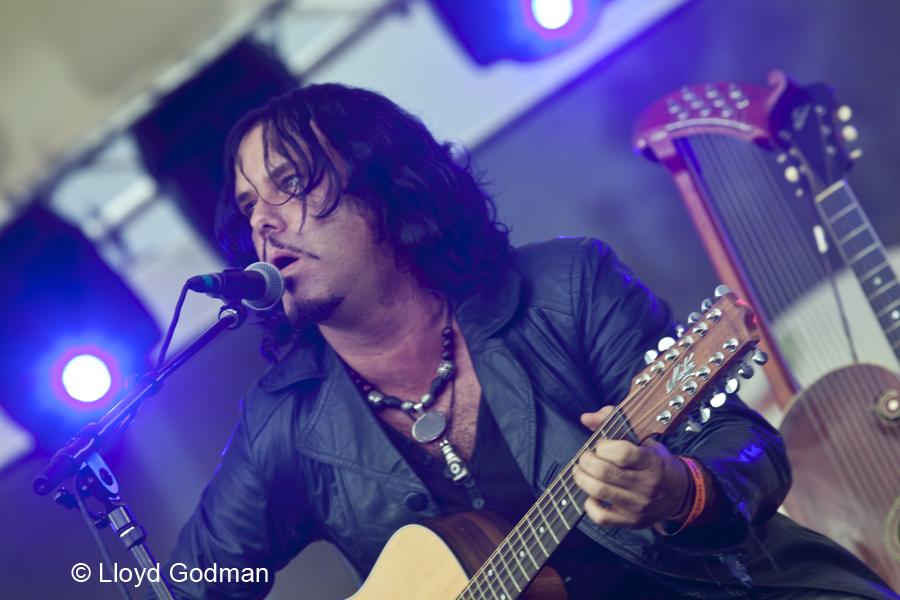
(82, 453)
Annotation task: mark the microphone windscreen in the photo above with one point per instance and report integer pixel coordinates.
(274, 286)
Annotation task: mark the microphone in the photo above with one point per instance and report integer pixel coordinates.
(259, 286)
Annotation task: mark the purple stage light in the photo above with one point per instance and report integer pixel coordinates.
(551, 14)
(85, 377)
(558, 22)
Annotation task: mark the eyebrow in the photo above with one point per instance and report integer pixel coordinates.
(273, 176)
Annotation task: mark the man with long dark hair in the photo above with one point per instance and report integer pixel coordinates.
(422, 367)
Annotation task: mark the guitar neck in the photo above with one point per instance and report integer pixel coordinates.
(864, 254)
(526, 549)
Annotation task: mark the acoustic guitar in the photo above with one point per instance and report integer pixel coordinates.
(470, 556)
(843, 432)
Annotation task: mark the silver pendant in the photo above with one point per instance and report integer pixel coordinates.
(455, 464)
(429, 427)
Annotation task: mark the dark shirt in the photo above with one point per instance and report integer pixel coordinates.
(588, 569)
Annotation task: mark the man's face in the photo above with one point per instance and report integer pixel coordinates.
(332, 267)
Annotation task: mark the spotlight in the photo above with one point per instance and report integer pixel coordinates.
(71, 330)
(86, 378)
(551, 14)
(523, 30)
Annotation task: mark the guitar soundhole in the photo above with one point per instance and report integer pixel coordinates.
(887, 407)
(892, 531)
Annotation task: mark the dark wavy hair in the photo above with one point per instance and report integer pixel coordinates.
(429, 207)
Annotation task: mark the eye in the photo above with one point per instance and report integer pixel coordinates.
(290, 184)
(246, 208)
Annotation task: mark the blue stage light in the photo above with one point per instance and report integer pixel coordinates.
(523, 30)
(552, 14)
(86, 378)
(61, 302)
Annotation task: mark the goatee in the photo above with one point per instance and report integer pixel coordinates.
(303, 313)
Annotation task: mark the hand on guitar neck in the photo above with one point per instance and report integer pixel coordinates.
(633, 486)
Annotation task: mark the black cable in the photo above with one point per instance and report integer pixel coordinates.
(165, 345)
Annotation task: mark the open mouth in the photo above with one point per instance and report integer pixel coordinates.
(283, 261)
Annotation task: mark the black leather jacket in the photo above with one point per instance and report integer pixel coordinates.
(557, 335)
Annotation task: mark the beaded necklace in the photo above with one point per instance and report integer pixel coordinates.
(427, 426)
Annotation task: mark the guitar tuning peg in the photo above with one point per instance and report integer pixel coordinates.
(844, 113)
(692, 426)
(650, 356)
(679, 330)
(856, 154)
(745, 370)
(718, 400)
(731, 386)
(849, 133)
(693, 318)
(705, 414)
(665, 344)
(791, 174)
(706, 305)
(721, 290)
(760, 357)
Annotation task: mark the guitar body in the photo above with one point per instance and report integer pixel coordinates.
(434, 561)
(845, 452)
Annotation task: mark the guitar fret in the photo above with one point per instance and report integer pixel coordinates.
(569, 493)
(547, 527)
(519, 555)
(882, 289)
(537, 538)
(873, 271)
(849, 222)
(853, 233)
(888, 308)
(500, 579)
(482, 578)
(863, 239)
(836, 216)
(864, 252)
(556, 506)
(892, 327)
(528, 546)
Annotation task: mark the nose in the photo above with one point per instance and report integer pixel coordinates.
(266, 218)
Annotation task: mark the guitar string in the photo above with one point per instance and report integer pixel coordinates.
(809, 268)
(564, 481)
(874, 483)
(869, 486)
(564, 484)
(856, 483)
(502, 554)
(872, 486)
(761, 256)
(855, 471)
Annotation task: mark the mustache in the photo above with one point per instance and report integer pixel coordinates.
(282, 245)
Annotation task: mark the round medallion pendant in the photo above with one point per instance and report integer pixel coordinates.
(429, 427)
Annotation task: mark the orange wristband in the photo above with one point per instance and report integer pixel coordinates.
(699, 496)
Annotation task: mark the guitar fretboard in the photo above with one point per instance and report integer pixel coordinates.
(526, 549)
(863, 252)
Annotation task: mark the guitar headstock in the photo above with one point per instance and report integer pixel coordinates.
(699, 365)
(812, 128)
(739, 110)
